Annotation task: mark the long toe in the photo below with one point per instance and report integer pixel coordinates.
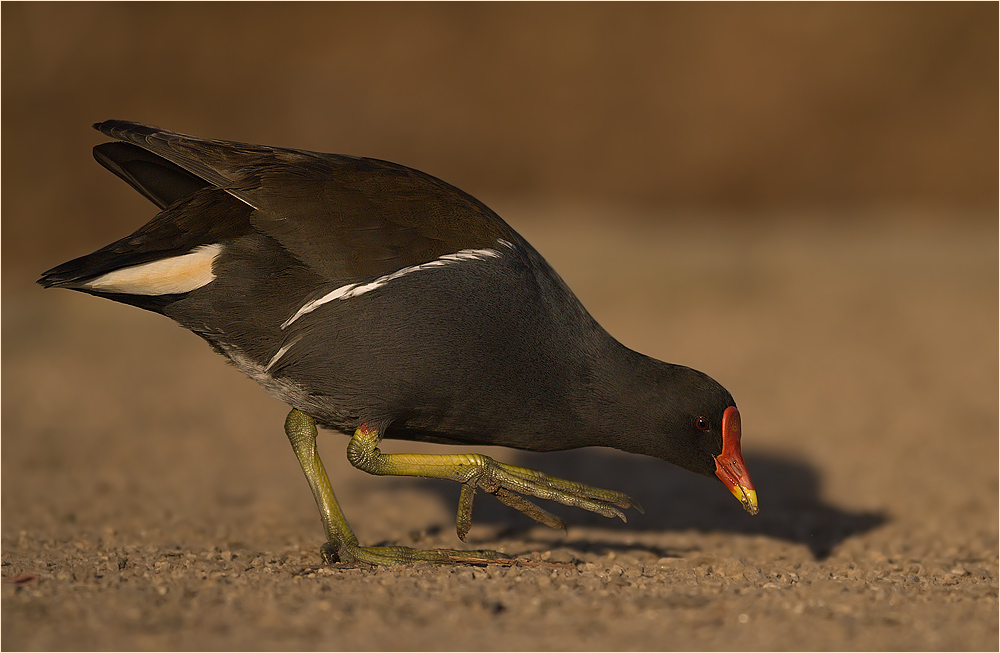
(506, 481)
(402, 555)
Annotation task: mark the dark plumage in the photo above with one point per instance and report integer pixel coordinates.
(372, 297)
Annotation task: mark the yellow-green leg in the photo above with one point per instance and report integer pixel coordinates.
(342, 544)
(478, 471)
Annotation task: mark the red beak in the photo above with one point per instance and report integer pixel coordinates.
(729, 465)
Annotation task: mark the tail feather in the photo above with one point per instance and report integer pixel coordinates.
(218, 163)
(158, 255)
(145, 160)
(159, 180)
(73, 273)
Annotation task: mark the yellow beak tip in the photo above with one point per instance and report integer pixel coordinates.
(747, 497)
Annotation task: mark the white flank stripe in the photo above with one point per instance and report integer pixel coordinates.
(279, 354)
(355, 289)
(168, 276)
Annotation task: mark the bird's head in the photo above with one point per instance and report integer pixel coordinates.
(697, 427)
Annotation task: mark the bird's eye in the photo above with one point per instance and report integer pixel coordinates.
(701, 424)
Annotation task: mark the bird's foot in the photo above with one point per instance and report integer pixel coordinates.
(342, 545)
(507, 482)
(474, 471)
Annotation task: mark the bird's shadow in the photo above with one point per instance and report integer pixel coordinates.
(675, 500)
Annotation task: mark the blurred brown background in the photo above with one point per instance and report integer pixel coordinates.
(799, 199)
(740, 107)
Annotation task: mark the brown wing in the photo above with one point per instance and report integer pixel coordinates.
(345, 217)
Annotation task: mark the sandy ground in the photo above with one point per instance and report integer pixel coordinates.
(150, 499)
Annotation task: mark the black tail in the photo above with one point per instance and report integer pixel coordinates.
(159, 180)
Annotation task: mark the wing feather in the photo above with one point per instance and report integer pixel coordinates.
(345, 217)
